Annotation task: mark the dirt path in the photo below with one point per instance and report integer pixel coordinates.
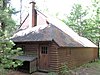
(88, 69)
(81, 71)
(21, 73)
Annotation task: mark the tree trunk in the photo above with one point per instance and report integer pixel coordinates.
(3, 8)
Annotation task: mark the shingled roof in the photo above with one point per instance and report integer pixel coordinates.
(52, 29)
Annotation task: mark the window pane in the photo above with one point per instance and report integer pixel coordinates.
(44, 50)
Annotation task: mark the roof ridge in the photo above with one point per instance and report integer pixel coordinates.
(41, 13)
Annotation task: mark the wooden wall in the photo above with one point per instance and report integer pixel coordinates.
(29, 48)
(33, 48)
(58, 55)
(53, 57)
(76, 56)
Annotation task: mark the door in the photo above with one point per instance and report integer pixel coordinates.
(43, 58)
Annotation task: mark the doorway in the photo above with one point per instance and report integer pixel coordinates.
(43, 57)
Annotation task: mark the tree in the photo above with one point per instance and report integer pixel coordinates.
(95, 16)
(76, 18)
(7, 23)
(6, 45)
(93, 22)
(84, 24)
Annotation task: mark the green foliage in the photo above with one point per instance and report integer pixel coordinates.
(92, 64)
(64, 69)
(7, 52)
(10, 25)
(96, 18)
(85, 21)
(88, 68)
(3, 71)
(76, 19)
(7, 27)
(96, 63)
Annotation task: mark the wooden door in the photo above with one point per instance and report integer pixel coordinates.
(43, 58)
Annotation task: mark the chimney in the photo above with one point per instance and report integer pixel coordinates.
(32, 15)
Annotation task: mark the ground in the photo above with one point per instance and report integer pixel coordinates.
(87, 69)
(21, 73)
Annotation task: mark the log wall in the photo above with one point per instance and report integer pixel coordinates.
(53, 57)
(60, 55)
(76, 56)
(29, 48)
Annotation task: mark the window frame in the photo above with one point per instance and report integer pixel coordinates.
(44, 49)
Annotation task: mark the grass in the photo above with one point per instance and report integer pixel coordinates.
(92, 68)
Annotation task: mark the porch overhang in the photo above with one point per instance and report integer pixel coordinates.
(25, 58)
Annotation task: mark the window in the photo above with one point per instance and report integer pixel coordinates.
(44, 49)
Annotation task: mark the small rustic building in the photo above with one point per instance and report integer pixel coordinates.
(51, 43)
